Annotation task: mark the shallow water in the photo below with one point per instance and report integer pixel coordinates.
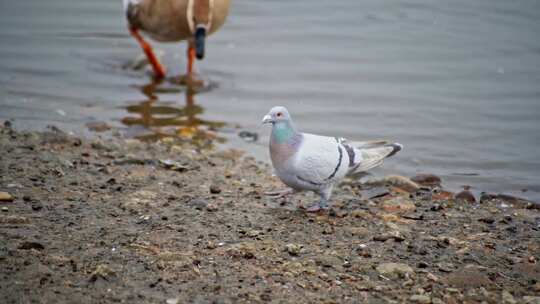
(457, 83)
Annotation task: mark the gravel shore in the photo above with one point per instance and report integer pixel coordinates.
(120, 221)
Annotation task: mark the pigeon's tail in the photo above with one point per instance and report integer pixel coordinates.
(373, 156)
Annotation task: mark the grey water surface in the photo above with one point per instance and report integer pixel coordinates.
(456, 82)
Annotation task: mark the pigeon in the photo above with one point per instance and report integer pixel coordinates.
(316, 163)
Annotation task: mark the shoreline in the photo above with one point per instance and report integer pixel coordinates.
(119, 220)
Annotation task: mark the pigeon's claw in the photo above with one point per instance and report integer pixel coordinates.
(279, 194)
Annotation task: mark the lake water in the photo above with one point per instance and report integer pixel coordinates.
(456, 82)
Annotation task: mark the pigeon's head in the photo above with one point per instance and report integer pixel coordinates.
(276, 114)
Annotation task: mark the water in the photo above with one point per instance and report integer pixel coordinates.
(458, 83)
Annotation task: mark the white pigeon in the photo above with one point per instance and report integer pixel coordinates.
(312, 162)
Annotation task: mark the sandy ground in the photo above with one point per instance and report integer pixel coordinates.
(119, 221)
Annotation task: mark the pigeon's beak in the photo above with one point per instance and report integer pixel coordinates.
(267, 119)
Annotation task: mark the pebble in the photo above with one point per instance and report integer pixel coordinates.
(398, 205)
(465, 196)
(395, 269)
(445, 267)
(5, 209)
(293, 249)
(508, 298)
(215, 189)
(401, 182)
(172, 301)
(423, 299)
(6, 197)
(531, 300)
(427, 180)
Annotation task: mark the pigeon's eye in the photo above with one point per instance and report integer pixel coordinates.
(279, 114)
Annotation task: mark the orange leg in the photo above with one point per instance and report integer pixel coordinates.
(191, 60)
(159, 70)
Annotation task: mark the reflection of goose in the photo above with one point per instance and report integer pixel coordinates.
(167, 120)
(175, 20)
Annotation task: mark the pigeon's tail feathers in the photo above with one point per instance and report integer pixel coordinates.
(374, 156)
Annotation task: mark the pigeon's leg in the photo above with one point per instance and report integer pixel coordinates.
(159, 70)
(323, 203)
(279, 194)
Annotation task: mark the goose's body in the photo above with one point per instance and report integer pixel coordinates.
(175, 20)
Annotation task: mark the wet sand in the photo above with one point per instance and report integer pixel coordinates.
(117, 220)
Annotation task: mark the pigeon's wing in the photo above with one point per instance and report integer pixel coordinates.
(320, 160)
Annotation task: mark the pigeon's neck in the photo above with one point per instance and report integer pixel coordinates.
(283, 132)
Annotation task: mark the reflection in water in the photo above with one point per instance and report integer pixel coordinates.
(167, 120)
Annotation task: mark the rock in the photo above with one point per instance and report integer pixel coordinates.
(395, 269)
(436, 207)
(36, 206)
(442, 195)
(487, 220)
(242, 250)
(395, 235)
(31, 245)
(531, 300)
(102, 271)
(6, 197)
(14, 220)
(293, 249)
(445, 267)
(212, 207)
(215, 189)
(398, 205)
(418, 298)
(507, 298)
(4, 209)
(98, 126)
(401, 182)
(465, 196)
(518, 202)
(374, 192)
(360, 214)
(429, 180)
(357, 231)
(172, 301)
(468, 279)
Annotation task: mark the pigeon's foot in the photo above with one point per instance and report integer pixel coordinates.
(319, 207)
(279, 194)
(314, 209)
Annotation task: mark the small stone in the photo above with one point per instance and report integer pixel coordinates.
(212, 207)
(102, 271)
(293, 249)
(429, 180)
(215, 189)
(432, 277)
(98, 126)
(465, 196)
(5, 209)
(398, 205)
(487, 220)
(508, 298)
(31, 245)
(172, 301)
(531, 300)
(436, 207)
(6, 197)
(395, 269)
(36, 206)
(423, 299)
(445, 267)
(401, 182)
(437, 301)
(359, 214)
